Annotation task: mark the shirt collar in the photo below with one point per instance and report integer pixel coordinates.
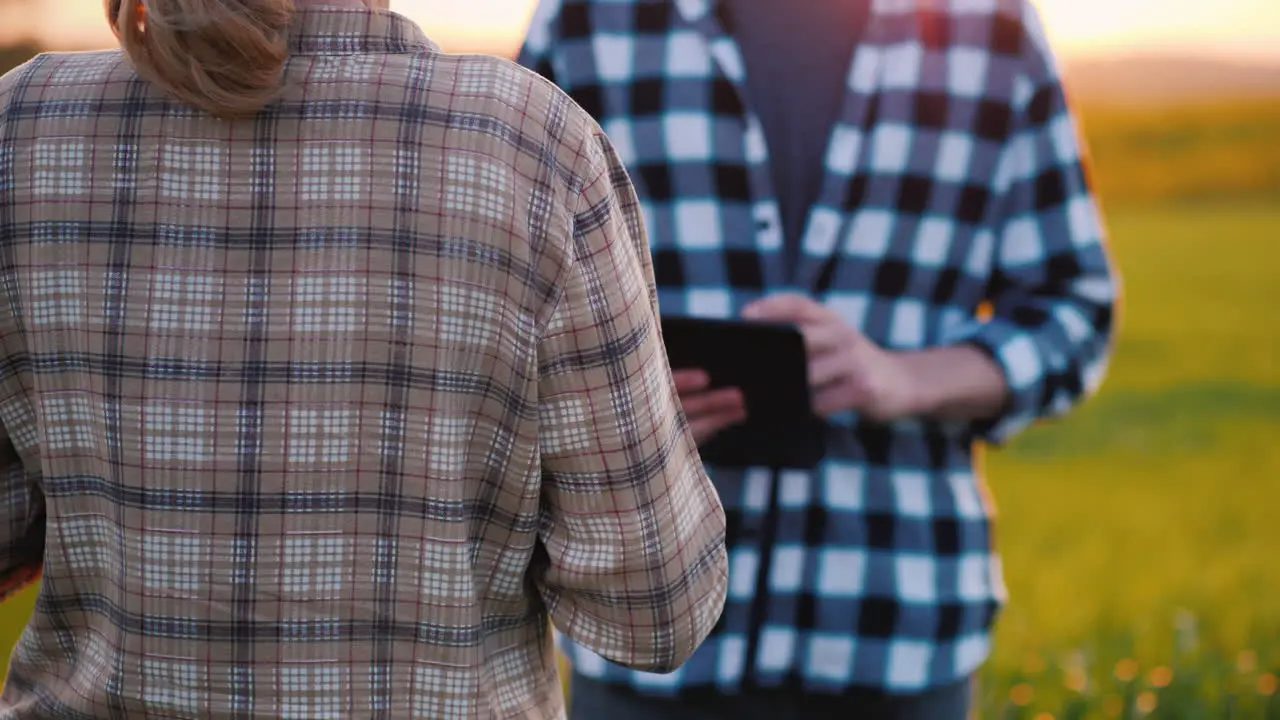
(353, 31)
(694, 10)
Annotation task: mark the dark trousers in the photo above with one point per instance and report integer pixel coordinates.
(594, 700)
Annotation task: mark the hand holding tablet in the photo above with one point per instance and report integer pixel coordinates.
(709, 410)
(768, 365)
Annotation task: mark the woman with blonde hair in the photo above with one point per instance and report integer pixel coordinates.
(329, 371)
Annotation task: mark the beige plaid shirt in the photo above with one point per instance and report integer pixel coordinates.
(319, 415)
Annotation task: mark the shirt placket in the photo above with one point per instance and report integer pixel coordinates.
(846, 151)
(766, 214)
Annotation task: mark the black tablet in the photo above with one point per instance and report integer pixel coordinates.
(769, 365)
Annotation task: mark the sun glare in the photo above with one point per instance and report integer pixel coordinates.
(1091, 26)
(1075, 26)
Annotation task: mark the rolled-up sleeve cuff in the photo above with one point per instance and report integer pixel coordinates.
(1015, 351)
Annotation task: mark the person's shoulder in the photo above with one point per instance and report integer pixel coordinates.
(1010, 9)
(1003, 26)
(505, 87)
(540, 111)
(71, 68)
(15, 79)
(1008, 32)
(561, 20)
(60, 76)
(550, 9)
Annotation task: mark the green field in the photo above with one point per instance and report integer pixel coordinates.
(1140, 535)
(1189, 151)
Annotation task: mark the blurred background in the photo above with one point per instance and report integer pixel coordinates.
(1141, 542)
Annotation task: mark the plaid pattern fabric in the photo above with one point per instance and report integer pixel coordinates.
(319, 415)
(953, 182)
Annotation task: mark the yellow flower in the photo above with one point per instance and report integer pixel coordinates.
(1146, 702)
(1247, 661)
(1044, 716)
(1160, 677)
(1267, 684)
(1075, 661)
(1076, 680)
(1022, 695)
(1113, 706)
(1126, 670)
(1034, 664)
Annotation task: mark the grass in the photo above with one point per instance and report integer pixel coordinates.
(1192, 152)
(1139, 535)
(13, 618)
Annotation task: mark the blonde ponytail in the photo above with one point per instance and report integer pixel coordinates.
(225, 57)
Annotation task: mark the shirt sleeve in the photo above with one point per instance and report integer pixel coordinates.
(22, 516)
(1053, 290)
(633, 530)
(537, 51)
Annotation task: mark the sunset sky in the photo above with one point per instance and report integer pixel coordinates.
(1079, 27)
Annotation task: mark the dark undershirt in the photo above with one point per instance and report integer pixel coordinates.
(797, 55)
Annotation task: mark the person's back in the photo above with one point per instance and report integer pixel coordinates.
(318, 412)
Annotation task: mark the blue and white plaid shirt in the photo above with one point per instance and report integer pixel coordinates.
(953, 181)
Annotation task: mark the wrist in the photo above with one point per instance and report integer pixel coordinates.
(955, 383)
(921, 395)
